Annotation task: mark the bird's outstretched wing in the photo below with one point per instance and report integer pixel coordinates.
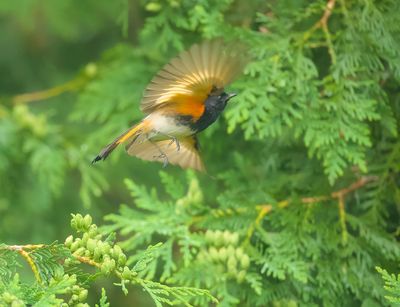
(190, 77)
(186, 157)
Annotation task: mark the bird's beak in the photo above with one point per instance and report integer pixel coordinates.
(230, 96)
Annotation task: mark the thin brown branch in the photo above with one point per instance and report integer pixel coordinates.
(342, 192)
(32, 264)
(27, 246)
(339, 195)
(87, 260)
(322, 23)
(334, 195)
(355, 186)
(264, 209)
(25, 250)
(21, 249)
(328, 11)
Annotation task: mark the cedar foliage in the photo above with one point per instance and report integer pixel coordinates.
(60, 280)
(301, 203)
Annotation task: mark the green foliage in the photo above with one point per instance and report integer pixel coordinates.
(392, 285)
(103, 300)
(328, 109)
(51, 280)
(245, 261)
(301, 201)
(51, 265)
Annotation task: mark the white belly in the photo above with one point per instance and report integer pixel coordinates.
(166, 126)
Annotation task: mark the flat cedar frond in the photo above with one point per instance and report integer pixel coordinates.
(8, 264)
(392, 285)
(49, 259)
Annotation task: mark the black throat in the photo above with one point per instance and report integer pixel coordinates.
(214, 106)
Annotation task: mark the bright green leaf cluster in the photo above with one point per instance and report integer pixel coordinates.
(392, 285)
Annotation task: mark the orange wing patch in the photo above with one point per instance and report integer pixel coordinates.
(195, 110)
(186, 105)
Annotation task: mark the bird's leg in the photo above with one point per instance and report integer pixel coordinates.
(162, 154)
(173, 140)
(178, 145)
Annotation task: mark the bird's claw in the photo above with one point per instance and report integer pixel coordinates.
(165, 159)
(176, 141)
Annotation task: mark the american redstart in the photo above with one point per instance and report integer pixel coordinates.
(183, 99)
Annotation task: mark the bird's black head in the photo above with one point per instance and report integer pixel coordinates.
(225, 97)
(214, 105)
(218, 101)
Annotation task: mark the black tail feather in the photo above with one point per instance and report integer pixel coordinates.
(132, 132)
(105, 152)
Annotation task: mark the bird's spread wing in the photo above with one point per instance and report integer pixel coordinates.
(190, 77)
(186, 157)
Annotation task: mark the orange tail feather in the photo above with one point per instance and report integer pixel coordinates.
(135, 130)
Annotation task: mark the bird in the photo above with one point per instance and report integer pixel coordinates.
(184, 98)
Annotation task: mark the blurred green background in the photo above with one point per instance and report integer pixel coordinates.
(44, 44)
(318, 108)
(45, 170)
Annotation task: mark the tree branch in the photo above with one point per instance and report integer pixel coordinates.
(334, 195)
(21, 249)
(339, 195)
(322, 23)
(24, 251)
(87, 260)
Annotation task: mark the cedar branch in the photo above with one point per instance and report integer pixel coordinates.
(322, 23)
(21, 249)
(334, 195)
(87, 260)
(24, 251)
(339, 195)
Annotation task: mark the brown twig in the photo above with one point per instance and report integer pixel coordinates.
(25, 250)
(27, 246)
(355, 186)
(328, 11)
(264, 209)
(339, 195)
(87, 260)
(21, 249)
(322, 23)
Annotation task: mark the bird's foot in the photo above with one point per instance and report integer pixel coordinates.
(164, 157)
(176, 141)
